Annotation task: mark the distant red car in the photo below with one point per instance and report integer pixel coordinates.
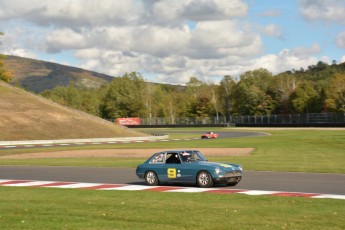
(209, 135)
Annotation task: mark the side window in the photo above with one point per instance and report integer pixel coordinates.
(173, 158)
(158, 158)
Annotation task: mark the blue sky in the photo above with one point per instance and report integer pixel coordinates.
(169, 41)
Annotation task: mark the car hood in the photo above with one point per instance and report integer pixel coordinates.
(217, 165)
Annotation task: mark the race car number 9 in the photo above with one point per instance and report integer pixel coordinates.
(171, 173)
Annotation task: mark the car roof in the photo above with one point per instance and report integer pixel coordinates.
(178, 151)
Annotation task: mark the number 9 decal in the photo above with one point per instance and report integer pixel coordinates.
(171, 173)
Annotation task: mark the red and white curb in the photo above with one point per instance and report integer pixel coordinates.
(125, 187)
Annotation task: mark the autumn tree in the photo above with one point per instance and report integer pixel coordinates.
(4, 74)
(280, 89)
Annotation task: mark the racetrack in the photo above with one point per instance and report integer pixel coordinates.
(252, 180)
(79, 142)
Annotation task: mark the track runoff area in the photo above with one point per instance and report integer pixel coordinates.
(125, 187)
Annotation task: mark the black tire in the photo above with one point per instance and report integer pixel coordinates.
(151, 178)
(204, 179)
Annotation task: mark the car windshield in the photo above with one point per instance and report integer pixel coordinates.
(190, 156)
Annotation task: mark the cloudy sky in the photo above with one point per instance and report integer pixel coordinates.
(169, 41)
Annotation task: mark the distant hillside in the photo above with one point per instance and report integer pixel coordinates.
(25, 116)
(38, 76)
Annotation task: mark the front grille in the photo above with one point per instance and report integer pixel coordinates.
(233, 174)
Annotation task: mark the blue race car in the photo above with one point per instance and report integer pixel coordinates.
(187, 166)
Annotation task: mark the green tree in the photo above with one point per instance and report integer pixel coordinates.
(152, 97)
(174, 105)
(123, 97)
(214, 99)
(261, 78)
(193, 87)
(336, 94)
(304, 97)
(193, 93)
(251, 93)
(226, 93)
(83, 99)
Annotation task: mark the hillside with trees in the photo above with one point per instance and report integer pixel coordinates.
(320, 88)
(317, 89)
(38, 76)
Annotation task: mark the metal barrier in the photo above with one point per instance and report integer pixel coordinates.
(283, 120)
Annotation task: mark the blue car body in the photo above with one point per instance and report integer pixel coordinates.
(187, 166)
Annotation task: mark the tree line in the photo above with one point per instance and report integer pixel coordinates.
(4, 75)
(320, 88)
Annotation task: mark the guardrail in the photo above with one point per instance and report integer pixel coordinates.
(278, 120)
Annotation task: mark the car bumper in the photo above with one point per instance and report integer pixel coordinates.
(226, 180)
(234, 176)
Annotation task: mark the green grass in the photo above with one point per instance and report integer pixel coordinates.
(283, 150)
(49, 208)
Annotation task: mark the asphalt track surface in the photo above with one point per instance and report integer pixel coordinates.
(252, 180)
(80, 143)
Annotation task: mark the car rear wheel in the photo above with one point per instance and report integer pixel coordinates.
(151, 178)
(204, 179)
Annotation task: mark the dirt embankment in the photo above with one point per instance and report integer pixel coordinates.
(126, 153)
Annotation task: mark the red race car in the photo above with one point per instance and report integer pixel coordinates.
(209, 135)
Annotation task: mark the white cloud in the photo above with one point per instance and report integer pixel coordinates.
(285, 60)
(305, 52)
(170, 40)
(325, 10)
(219, 39)
(340, 40)
(74, 13)
(18, 43)
(64, 38)
(205, 10)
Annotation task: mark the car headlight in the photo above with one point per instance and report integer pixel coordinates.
(218, 170)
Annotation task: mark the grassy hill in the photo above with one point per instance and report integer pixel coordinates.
(37, 76)
(25, 116)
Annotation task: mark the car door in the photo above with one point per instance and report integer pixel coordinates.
(172, 167)
(187, 170)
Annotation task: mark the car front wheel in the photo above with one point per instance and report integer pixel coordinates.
(151, 178)
(204, 179)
